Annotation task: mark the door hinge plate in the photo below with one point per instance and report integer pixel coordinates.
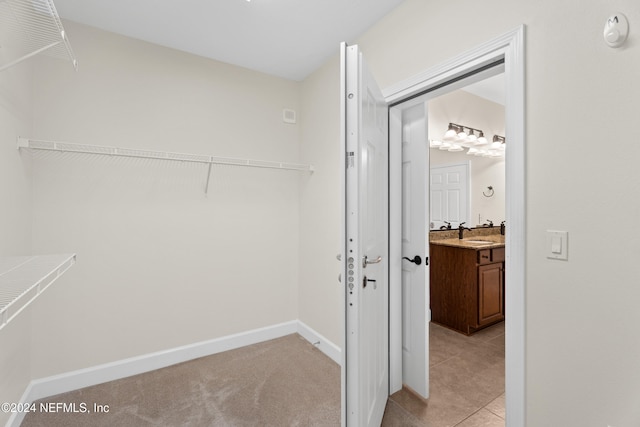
(350, 159)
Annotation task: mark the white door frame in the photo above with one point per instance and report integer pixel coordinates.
(510, 48)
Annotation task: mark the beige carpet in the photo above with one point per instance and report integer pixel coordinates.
(283, 382)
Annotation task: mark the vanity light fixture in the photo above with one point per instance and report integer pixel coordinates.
(458, 137)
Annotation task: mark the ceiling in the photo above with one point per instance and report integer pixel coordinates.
(492, 88)
(285, 38)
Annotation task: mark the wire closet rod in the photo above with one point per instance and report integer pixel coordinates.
(34, 144)
(161, 155)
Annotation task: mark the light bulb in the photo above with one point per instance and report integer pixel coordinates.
(481, 139)
(451, 133)
(472, 138)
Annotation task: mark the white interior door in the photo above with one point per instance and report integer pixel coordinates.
(365, 253)
(415, 250)
(450, 195)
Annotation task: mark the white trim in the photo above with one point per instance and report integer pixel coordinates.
(62, 383)
(481, 55)
(330, 349)
(509, 46)
(516, 192)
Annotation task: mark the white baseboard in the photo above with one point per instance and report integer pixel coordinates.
(323, 344)
(62, 383)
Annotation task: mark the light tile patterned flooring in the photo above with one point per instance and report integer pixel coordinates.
(466, 383)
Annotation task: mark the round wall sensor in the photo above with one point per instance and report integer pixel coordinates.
(616, 30)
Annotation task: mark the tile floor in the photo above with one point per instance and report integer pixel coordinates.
(466, 383)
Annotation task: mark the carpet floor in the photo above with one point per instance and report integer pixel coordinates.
(282, 382)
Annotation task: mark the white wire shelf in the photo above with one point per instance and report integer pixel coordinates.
(24, 278)
(30, 27)
(33, 144)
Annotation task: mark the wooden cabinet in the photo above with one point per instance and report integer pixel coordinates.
(467, 287)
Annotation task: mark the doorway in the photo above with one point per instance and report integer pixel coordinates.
(479, 63)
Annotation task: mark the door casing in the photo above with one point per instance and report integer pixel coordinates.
(508, 48)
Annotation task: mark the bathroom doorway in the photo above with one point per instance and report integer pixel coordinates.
(505, 52)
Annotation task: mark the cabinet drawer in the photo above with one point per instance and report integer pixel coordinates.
(497, 254)
(486, 256)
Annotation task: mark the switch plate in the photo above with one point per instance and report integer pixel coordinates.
(557, 244)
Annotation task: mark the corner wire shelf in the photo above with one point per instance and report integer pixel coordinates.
(30, 27)
(159, 155)
(24, 278)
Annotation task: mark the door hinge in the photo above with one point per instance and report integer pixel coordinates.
(350, 158)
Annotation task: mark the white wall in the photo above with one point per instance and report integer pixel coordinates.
(15, 220)
(581, 344)
(159, 263)
(467, 109)
(320, 302)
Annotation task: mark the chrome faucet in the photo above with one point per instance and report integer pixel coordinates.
(461, 229)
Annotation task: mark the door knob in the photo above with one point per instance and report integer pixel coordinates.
(416, 259)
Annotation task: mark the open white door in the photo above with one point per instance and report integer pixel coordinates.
(365, 253)
(415, 250)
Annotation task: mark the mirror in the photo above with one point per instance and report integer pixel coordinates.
(467, 188)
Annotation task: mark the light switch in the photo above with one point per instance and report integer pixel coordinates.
(557, 244)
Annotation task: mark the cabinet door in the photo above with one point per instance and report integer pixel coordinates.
(490, 293)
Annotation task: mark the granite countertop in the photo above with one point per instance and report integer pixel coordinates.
(473, 242)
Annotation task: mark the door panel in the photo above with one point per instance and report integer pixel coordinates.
(366, 382)
(415, 298)
(449, 195)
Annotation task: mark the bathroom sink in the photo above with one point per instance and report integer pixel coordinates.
(479, 242)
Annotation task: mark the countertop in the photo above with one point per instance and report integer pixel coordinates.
(475, 242)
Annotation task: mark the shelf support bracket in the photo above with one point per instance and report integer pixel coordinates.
(206, 188)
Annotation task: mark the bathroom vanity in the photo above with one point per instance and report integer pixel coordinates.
(467, 282)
